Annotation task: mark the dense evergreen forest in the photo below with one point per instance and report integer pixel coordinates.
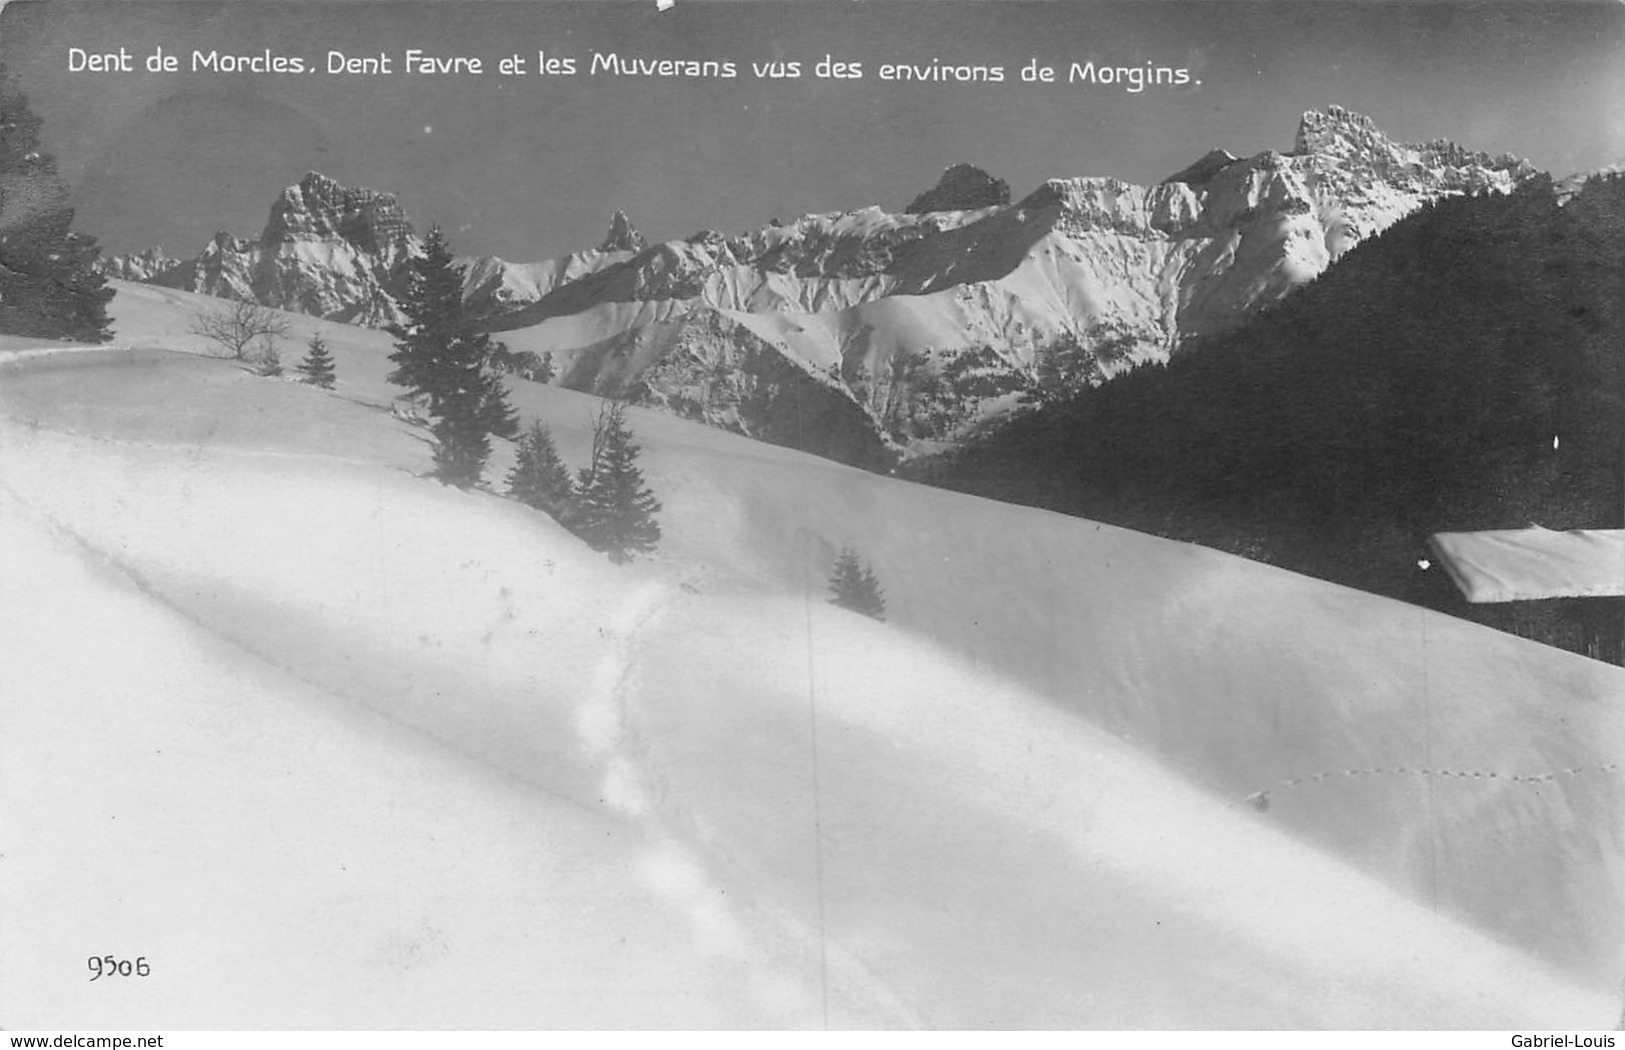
(1464, 370)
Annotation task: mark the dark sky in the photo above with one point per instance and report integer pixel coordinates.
(532, 166)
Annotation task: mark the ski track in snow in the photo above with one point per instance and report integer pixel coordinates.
(212, 449)
(8, 356)
(668, 867)
(674, 865)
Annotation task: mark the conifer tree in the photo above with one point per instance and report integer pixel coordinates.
(1066, 367)
(854, 586)
(267, 360)
(49, 286)
(496, 414)
(539, 477)
(442, 357)
(462, 444)
(434, 335)
(614, 511)
(317, 366)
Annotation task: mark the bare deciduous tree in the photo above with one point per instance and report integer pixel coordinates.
(238, 324)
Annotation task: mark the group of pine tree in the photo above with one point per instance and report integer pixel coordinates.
(451, 366)
(607, 503)
(1464, 370)
(49, 286)
(853, 585)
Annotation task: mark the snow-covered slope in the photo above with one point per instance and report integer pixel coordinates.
(332, 745)
(495, 285)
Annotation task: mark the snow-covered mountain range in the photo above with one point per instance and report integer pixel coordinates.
(869, 334)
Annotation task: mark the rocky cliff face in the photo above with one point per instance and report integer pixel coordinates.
(622, 236)
(921, 324)
(1075, 282)
(326, 249)
(335, 252)
(963, 187)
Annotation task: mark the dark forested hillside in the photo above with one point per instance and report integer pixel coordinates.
(1464, 370)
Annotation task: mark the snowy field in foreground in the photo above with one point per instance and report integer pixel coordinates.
(334, 746)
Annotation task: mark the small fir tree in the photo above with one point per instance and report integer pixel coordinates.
(267, 360)
(49, 285)
(317, 366)
(539, 477)
(853, 586)
(614, 511)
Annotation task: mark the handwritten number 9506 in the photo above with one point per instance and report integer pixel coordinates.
(112, 966)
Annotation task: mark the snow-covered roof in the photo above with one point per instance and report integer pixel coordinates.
(1511, 565)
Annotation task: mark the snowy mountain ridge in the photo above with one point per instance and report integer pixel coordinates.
(921, 324)
(929, 323)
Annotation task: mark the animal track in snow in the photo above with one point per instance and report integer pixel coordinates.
(1260, 800)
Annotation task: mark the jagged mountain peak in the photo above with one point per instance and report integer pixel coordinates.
(622, 236)
(1200, 173)
(1341, 134)
(317, 191)
(962, 187)
(315, 184)
(318, 207)
(223, 241)
(1337, 130)
(144, 265)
